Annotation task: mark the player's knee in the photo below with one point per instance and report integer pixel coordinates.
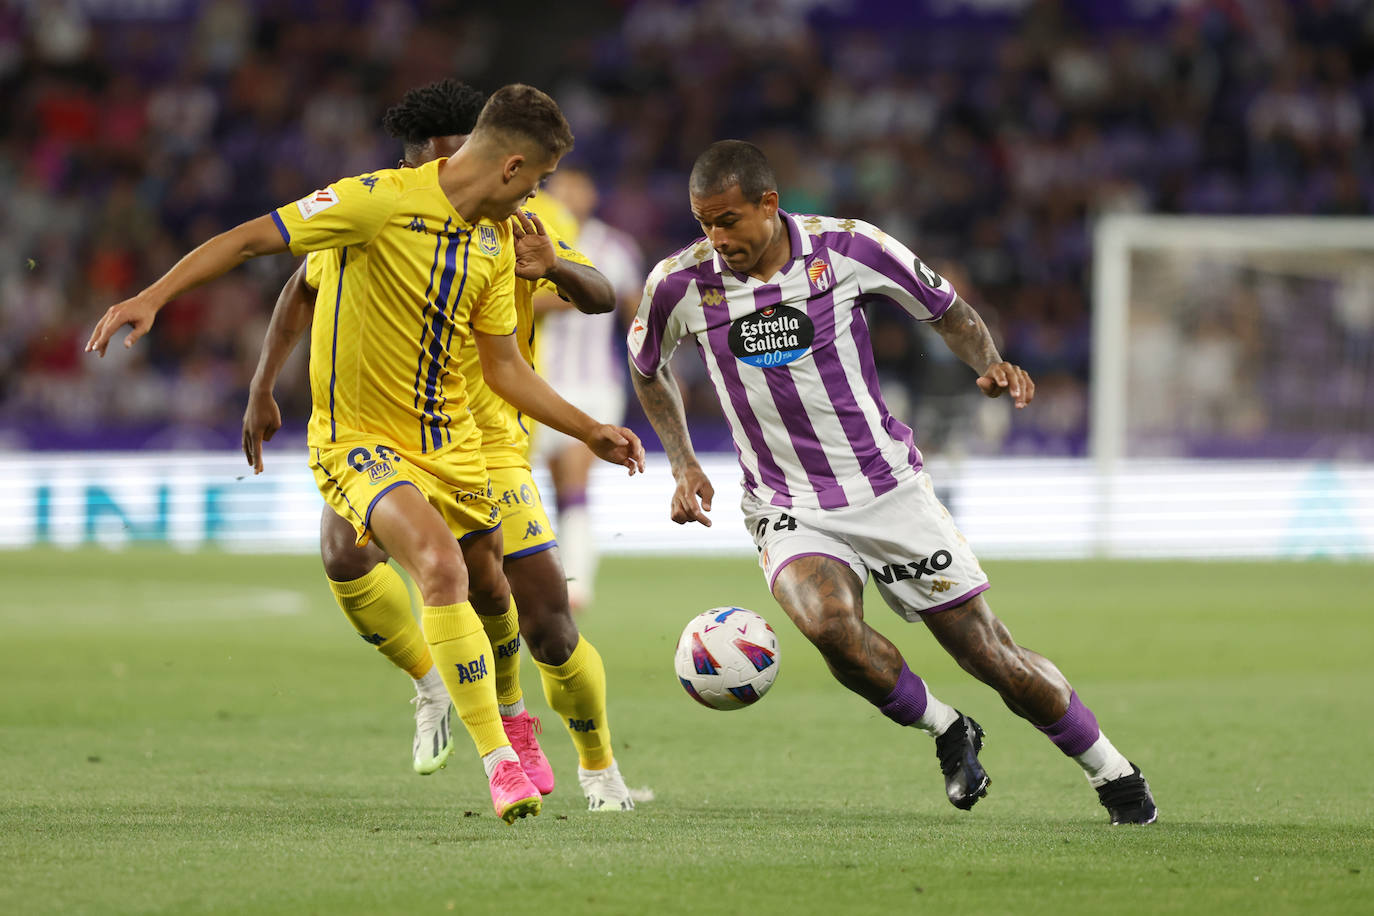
(346, 563)
(549, 632)
(489, 595)
(837, 636)
(440, 574)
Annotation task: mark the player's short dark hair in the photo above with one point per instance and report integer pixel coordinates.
(518, 110)
(440, 109)
(727, 163)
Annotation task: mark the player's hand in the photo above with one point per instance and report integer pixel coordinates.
(534, 252)
(692, 497)
(261, 420)
(1010, 379)
(136, 312)
(618, 445)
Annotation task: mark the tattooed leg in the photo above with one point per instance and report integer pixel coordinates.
(1030, 684)
(825, 600)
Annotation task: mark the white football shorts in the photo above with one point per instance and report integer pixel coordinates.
(905, 538)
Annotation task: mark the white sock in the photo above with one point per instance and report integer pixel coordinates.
(577, 551)
(583, 771)
(1102, 762)
(431, 685)
(937, 718)
(513, 709)
(490, 761)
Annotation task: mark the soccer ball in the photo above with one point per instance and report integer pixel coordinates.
(727, 658)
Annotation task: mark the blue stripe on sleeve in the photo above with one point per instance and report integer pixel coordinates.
(281, 227)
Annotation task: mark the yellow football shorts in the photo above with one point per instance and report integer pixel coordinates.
(525, 527)
(454, 481)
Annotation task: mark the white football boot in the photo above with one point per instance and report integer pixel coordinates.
(605, 789)
(433, 737)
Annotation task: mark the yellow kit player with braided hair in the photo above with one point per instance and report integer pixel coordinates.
(433, 121)
(426, 268)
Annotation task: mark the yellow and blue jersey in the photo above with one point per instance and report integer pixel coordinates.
(506, 431)
(398, 299)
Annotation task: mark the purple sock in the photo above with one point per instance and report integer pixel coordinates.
(907, 701)
(571, 500)
(1076, 731)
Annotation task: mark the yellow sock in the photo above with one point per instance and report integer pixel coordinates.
(576, 690)
(463, 656)
(504, 633)
(378, 606)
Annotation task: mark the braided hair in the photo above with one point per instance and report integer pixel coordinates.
(437, 110)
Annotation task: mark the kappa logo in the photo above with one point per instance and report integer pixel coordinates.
(317, 203)
(713, 297)
(487, 240)
(822, 277)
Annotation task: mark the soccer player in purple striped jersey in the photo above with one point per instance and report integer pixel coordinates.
(834, 487)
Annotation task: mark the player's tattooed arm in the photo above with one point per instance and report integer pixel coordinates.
(662, 402)
(968, 338)
(291, 318)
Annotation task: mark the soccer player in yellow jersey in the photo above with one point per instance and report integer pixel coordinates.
(433, 121)
(427, 266)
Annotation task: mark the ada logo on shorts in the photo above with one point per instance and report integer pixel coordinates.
(377, 469)
(487, 241)
(773, 337)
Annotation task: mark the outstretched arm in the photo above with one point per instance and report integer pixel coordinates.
(218, 256)
(291, 318)
(662, 403)
(967, 338)
(511, 377)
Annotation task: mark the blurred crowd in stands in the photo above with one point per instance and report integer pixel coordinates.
(986, 135)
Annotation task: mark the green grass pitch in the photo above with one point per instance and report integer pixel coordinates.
(205, 734)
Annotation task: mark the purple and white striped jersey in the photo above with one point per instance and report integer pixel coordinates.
(791, 359)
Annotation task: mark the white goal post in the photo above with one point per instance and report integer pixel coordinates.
(1249, 339)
